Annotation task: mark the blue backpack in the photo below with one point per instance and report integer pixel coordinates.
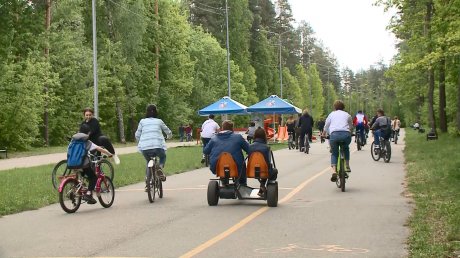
(76, 153)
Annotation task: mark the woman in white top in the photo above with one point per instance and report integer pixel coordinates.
(338, 126)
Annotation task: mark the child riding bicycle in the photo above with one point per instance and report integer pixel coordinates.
(88, 170)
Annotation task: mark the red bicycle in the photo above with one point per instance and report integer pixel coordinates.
(74, 186)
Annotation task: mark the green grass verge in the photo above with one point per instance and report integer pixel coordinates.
(433, 173)
(30, 188)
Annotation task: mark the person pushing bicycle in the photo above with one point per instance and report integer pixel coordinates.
(339, 125)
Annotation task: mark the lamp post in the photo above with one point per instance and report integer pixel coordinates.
(96, 101)
(228, 51)
(281, 67)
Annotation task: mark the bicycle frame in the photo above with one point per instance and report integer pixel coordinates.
(94, 159)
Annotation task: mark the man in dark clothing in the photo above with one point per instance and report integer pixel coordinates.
(306, 125)
(228, 141)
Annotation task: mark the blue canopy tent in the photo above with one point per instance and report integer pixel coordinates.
(224, 106)
(274, 105)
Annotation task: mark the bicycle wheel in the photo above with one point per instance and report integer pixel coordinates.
(159, 187)
(387, 154)
(206, 160)
(106, 195)
(358, 142)
(375, 153)
(69, 197)
(151, 186)
(107, 168)
(337, 171)
(342, 174)
(58, 171)
(396, 138)
(307, 145)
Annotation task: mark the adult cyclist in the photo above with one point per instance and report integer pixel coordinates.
(339, 125)
(208, 129)
(360, 123)
(381, 127)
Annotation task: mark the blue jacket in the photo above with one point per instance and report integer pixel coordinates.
(227, 141)
(261, 145)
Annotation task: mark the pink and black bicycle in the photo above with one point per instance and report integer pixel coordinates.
(74, 186)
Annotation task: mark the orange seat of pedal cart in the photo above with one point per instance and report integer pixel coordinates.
(226, 166)
(257, 166)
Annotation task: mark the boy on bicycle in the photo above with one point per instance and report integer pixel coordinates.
(360, 122)
(88, 170)
(381, 127)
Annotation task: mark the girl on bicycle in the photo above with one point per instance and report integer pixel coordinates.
(96, 134)
(150, 138)
(339, 125)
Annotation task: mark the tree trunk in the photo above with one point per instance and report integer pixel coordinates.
(45, 88)
(120, 123)
(442, 96)
(118, 110)
(431, 118)
(458, 101)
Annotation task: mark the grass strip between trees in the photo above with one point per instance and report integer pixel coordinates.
(30, 188)
(433, 173)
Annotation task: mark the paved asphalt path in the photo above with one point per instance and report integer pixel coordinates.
(313, 218)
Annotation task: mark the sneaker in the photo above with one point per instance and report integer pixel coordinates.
(116, 159)
(202, 160)
(334, 177)
(146, 189)
(262, 191)
(161, 174)
(89, 199)
(347, 169)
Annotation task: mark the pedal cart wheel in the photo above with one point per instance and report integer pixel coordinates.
(213, 193)
(272, 194)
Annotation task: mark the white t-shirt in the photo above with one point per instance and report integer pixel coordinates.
(209, 128)
(338, 121)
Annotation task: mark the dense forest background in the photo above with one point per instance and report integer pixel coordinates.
(173, 53)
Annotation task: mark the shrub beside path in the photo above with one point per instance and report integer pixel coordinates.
(38, 160)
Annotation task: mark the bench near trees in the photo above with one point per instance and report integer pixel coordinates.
(5, 151)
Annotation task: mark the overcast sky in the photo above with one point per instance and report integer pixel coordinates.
(353, 30)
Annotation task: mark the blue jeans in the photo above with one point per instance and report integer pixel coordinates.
(152, 153)
(334, 140)
(360, 130)
(377, 134)
(205, 141)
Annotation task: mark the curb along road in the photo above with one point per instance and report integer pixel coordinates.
(39, 160)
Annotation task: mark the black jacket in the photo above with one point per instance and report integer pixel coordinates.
(95, 130)
(306, 123)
